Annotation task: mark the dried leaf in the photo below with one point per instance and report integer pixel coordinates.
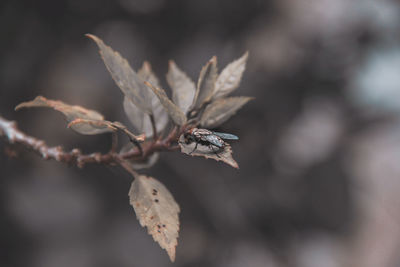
(221, 110)
(208, 152)
(230, 77)
(206, 84)
(174, 112)
(91, 126)
(71, 113)
(102, 125)
(147, 74)
(124, 76)
(138, 118)
(159, 113)
(156, 209)
(182, 86)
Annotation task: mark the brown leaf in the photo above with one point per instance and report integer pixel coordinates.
(124, 76)
(221, 110)
(183, 88)
(138, 118)
(71, 113)
(208, 152)
(230, 77)
(206, 84)
(156, 209)
(174, 112)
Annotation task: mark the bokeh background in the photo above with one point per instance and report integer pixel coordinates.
(319, 148)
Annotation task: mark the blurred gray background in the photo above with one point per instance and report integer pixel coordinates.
(319, 148)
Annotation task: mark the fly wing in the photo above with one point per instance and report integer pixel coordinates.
(226, 136)
(214, 140)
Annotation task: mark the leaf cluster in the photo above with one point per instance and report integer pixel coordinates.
(205, 104)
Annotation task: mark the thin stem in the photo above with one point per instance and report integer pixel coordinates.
(9, 130)
(153, 125)
(114, 142)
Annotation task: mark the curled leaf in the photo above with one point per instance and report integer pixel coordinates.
(208, 152)
(91, 126)
(206, 84)
(183, 88)
(230, 77)
(174, 112)
(156, 209)
(71, 113)
(138, 118)
(124, 76)
(221, 110)
(102, 125)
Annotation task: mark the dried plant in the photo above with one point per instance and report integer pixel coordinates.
(149, 109)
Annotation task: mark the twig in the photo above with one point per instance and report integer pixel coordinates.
(13, 135)
(153, 125)
(114, 142)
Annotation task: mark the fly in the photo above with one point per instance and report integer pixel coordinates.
(208, 138)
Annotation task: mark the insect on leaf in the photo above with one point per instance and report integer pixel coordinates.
(124, 76)
(183, 88)
(208, 152)
(230, 77)
(221, 110)
(156, 209)
(173, 110)
(71, 113)
(206, 84)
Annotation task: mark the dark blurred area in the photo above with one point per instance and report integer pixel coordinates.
(319, 148)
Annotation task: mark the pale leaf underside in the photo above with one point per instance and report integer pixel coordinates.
(205, 84)
(183, 88)
(209, 152)
(156, 209)
(173, 110)
(221, 110)
(124, 76)
(102, 126)
(139, 119)
(230, 77)
(71, 112)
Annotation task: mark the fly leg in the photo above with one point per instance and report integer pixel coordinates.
(194, 148)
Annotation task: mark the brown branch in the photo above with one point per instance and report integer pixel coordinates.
(13, 135)
(153, 126)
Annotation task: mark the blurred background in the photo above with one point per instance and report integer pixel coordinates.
(319, 147)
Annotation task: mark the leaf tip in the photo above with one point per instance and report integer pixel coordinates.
(171, 254)
(27, 103)
(91, 36)
(146, 66)
(96, 39)
(171, 64)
